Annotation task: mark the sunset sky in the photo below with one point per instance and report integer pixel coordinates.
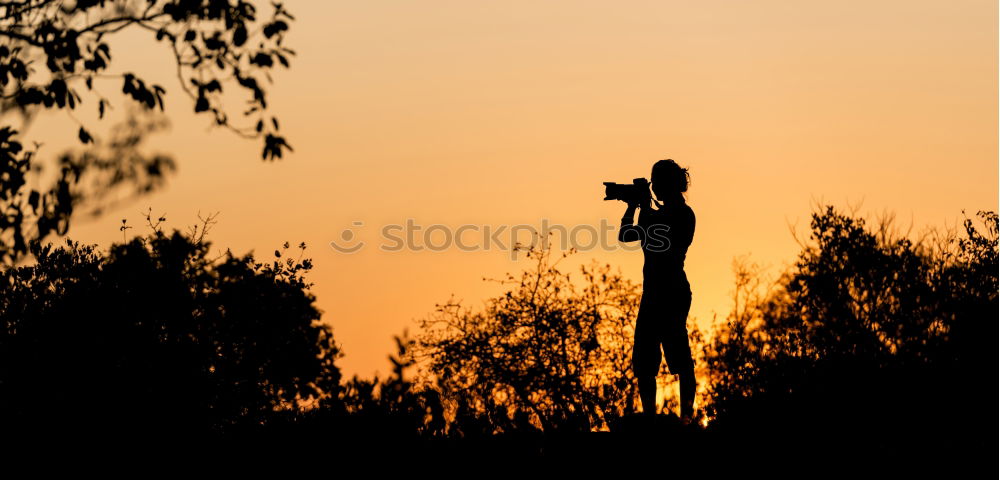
(514, 112)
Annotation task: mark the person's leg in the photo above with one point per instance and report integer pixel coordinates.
(688, 386)
(647, 393)
(678, 352)
(646, 354)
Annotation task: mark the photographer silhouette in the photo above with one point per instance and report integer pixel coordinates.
(665, 232)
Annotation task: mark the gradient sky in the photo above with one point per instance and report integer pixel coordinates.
(494, 113)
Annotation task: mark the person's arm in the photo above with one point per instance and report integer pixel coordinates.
(629, 232)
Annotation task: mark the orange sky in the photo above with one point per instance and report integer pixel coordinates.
(496, 113)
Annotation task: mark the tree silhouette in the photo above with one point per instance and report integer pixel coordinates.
(58, 55)
(870, 337)
(158, 336)
(549, 354)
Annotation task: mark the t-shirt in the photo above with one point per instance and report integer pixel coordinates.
(665, 235)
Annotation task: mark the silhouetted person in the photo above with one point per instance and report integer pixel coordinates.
(665, 230)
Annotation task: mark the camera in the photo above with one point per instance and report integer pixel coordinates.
(636, 193)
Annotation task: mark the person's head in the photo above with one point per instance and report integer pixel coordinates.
(669, 179)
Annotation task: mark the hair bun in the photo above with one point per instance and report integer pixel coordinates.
(669, 172)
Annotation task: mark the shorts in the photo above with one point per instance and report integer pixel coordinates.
(662, 322)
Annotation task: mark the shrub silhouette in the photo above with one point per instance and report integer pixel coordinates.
(396, 406)
(869, 336)
(155, 335)
(547, 355)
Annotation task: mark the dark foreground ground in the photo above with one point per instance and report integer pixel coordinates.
(660, 447)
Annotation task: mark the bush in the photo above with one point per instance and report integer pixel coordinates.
(869, 336)
(548, 354)
(157, 335)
